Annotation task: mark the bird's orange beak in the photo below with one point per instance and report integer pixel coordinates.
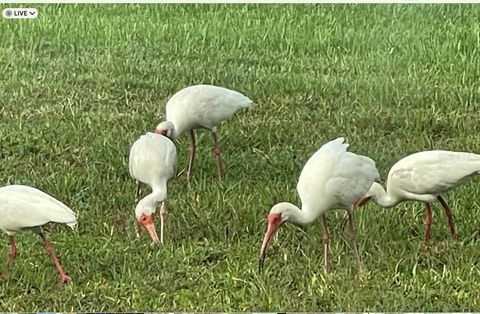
(147, 222)
(274, 223)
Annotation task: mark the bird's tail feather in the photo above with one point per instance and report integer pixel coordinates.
(248, 103)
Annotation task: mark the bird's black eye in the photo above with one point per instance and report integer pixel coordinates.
(144, 218)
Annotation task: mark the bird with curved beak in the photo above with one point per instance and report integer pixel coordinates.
(144, 215)
(424, 177)
(152, 161)
(25, 208)
(206, 107)
(331, 178)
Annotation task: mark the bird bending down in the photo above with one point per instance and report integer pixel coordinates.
(423, 177)
(202, 106)
(27, 208)
(152, 161)
(331, 178)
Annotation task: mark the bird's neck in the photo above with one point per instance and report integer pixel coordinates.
(158, 195)
(301, 217)
(381, 197)
(175, 134)
(179, 128)
(159, 191)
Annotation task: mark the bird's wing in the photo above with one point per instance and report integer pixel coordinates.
(152, 157)
(24, 206)
(171, 157)
(221, 95)
(332, 148)
(215, 105)
(432, 172)
(351, 179)
(334, 175)
(313, 177)
(204, 106)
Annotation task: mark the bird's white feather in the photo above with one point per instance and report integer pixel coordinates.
(25, 207)
(203, 106)
(153, 159)
(335, 178)
(432, 172)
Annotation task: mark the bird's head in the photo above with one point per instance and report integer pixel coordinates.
(375, 190)
(165, 128)
(144, 216)
(278, 215)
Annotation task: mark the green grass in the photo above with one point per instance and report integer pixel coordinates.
(79, 84)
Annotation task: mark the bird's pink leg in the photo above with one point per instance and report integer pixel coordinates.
(137, 199)
(218, 156)
(326, 240)
(428, 222)
(192, 156)
(13, 250)
(11, 255)
(137, 193)
(48, 246)
(448, 212)
(163, 210)
(353, 238)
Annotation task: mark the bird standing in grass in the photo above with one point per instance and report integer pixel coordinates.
(152, 161)
(423, 177)
(202, 106)
(331, 178)
(27, 208)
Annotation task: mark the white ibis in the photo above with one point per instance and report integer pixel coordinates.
(203, 106)
(331, 178)
(423, 177)
(152, 161)
(27, 208)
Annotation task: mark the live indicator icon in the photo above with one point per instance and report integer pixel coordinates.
(20, 13)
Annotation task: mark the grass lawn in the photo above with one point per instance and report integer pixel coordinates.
(79, 84)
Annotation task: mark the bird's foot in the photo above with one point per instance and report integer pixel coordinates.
(362, 275)
(327, 275)
(64, 278)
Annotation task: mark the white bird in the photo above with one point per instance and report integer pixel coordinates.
(423, 177)
(152, 161)
(202, 106)
(27, 208)
(331, 178)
